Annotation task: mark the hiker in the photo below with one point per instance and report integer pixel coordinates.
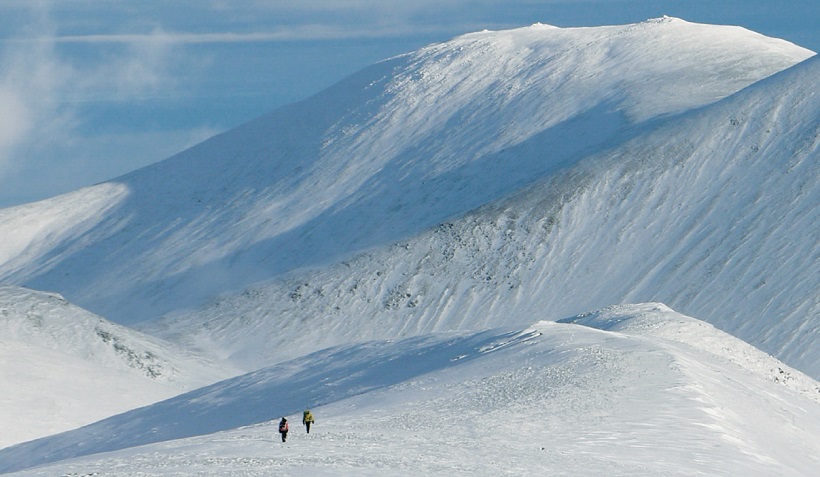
(283, 429)
(307, 419)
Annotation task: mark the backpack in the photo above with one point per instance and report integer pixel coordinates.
(283, 426)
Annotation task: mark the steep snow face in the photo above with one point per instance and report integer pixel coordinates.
(713, 212)
(634, 390)
(381, 156)
(63, 367)
(33, 231)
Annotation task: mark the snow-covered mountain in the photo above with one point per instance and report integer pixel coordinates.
(713, 211)
(381, 156)
(627, 391)
(62, 367)
(381, 251)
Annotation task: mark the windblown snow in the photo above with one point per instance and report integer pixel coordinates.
(401, 252)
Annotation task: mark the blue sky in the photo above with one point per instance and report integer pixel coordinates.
(91, 89)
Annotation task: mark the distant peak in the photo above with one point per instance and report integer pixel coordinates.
(540, 25)
(664, 19)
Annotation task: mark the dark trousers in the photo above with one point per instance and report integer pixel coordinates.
(307, 426)
(284, 435)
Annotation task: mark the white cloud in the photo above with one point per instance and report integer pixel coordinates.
(29, 86)
(15, 121)
(308, 31)
(42, 95)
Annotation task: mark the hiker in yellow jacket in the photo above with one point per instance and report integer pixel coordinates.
(307, 419)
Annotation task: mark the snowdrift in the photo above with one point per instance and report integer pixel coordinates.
(64, 367)
(629, 390)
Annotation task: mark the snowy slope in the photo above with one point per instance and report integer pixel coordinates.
(633, 390)
(492, 181)
(714, 212)
(379, 157)
(62, 367)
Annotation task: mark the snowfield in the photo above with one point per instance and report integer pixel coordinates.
(627, 391)
(414, 252)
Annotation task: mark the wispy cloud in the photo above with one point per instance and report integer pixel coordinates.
(306, 32)
(40, 121)
(30, 83)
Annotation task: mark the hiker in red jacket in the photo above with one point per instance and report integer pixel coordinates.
(283, 429)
